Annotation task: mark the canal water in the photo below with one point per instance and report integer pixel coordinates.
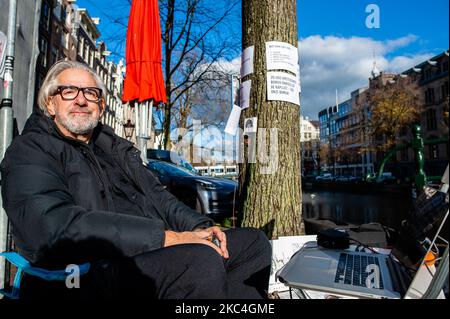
(356, 208)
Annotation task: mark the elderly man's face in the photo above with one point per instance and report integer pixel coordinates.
(78, 117)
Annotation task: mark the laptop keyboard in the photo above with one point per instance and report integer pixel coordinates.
(351, 270)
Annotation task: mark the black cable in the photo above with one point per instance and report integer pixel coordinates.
(363, 245)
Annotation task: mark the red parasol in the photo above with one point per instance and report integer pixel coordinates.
(143, 79)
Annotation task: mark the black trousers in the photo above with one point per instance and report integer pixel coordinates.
(190, 271)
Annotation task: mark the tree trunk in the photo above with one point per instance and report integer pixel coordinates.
(167, 118)
(271, 202)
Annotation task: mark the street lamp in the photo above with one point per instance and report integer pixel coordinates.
(129, 129)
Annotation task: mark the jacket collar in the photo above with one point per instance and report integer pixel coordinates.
(103, 135)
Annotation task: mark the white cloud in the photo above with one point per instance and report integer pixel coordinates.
(392, 45)
(328, 63)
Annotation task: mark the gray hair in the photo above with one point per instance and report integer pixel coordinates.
(50, 83)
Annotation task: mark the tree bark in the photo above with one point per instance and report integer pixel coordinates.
(271, 202)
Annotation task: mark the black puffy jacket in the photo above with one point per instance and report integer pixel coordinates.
(70, 202)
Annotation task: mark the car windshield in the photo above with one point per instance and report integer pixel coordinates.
(170, 169)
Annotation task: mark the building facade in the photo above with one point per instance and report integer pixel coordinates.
(310, 143)
(52, 30)
(432, 78)
(341, 139)
(351, 148)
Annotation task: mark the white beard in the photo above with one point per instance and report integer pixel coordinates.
(78, 124)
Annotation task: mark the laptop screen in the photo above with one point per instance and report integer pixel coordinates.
(428, 210)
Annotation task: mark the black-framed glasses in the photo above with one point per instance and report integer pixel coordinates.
(70, 92)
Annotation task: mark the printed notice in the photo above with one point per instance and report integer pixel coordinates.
(282, 250)
(247, 61)
(282, 56)
(244, 94)
(251, 125)
(283, 87)
(233, 120)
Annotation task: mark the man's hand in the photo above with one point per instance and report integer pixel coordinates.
(199, 236)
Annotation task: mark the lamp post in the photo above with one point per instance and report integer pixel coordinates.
(6, 125)
(129, 129)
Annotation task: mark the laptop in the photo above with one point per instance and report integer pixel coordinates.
(366, 274)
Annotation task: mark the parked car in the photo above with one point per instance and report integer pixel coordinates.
(387, 178)
(170, 157)
(347, 179)
(341, 179)
(325, 177)
(214, 197)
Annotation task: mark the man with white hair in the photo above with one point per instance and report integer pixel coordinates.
(75, 192)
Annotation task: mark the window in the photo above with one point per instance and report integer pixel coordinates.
(65, 39)
(57, 9)
(45, 15)
(445, 66)
(444, 90)
(80, 46)
(43, 45)
(429, 96)
(431, 120)
(86, 53)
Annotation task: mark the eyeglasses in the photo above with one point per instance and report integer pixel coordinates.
(69, 93)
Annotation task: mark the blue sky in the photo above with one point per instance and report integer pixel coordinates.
(429, 20)
(336, 48)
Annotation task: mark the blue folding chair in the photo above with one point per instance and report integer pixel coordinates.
(24, 265)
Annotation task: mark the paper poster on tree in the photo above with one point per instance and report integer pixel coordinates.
(283, 87)
(282, 56)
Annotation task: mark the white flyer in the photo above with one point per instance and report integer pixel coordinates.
(247, 61)
(283, 87)
(233, 120)
(244, 94)
(282, 250)
(282, 56)
(251, 125)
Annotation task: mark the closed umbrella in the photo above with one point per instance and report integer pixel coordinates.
(144, 81)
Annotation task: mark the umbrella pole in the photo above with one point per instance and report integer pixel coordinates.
(142, 143)
(137, 125)
(150, 123)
